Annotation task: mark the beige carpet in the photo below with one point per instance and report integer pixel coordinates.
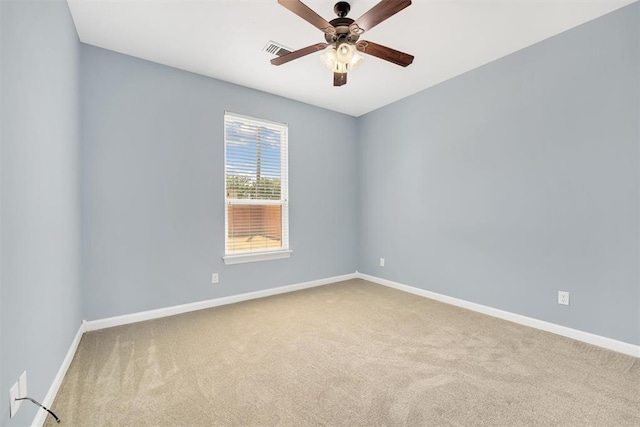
(347, 354)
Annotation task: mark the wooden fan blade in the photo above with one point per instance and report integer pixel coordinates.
(306, 13)
(386, 53)
(378, 13)
(298, 53)
(339, 79)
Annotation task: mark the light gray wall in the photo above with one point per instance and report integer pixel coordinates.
(516, 180)
(1, 210)
(40, 197)
(153, 187)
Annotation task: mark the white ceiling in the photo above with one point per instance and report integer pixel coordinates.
(224, 39)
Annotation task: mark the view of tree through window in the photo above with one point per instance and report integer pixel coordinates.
(256, 184)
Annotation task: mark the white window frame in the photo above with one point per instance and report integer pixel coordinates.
(260, 254)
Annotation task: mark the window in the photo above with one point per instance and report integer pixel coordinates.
(256, 189)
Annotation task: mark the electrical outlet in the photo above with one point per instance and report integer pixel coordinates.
(14, 392)
(381, 262)
(214, 278)
(563, 297)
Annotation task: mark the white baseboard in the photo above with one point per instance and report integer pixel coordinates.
(600, 341)
(109, 322)
(41, 415)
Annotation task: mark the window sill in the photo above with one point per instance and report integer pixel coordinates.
(256, 256)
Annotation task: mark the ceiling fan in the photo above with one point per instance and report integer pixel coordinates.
(342, 37)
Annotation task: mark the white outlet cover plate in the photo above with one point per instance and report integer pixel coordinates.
(14, 392)
(563, 297)
(23, 384)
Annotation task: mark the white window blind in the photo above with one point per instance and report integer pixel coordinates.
(256, 186)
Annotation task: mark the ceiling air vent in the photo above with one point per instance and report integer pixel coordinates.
(276, 49)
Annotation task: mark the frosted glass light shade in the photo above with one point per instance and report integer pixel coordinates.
(329, 58)
(355, 61)
(344, 52)
(341, 59)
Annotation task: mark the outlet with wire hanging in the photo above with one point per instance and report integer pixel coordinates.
(17, 391)
(14, 393)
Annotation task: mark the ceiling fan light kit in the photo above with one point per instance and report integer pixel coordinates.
(342, 37)
(341, 59)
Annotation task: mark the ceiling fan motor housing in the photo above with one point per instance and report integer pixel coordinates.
(342, 31)
(341, 25)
